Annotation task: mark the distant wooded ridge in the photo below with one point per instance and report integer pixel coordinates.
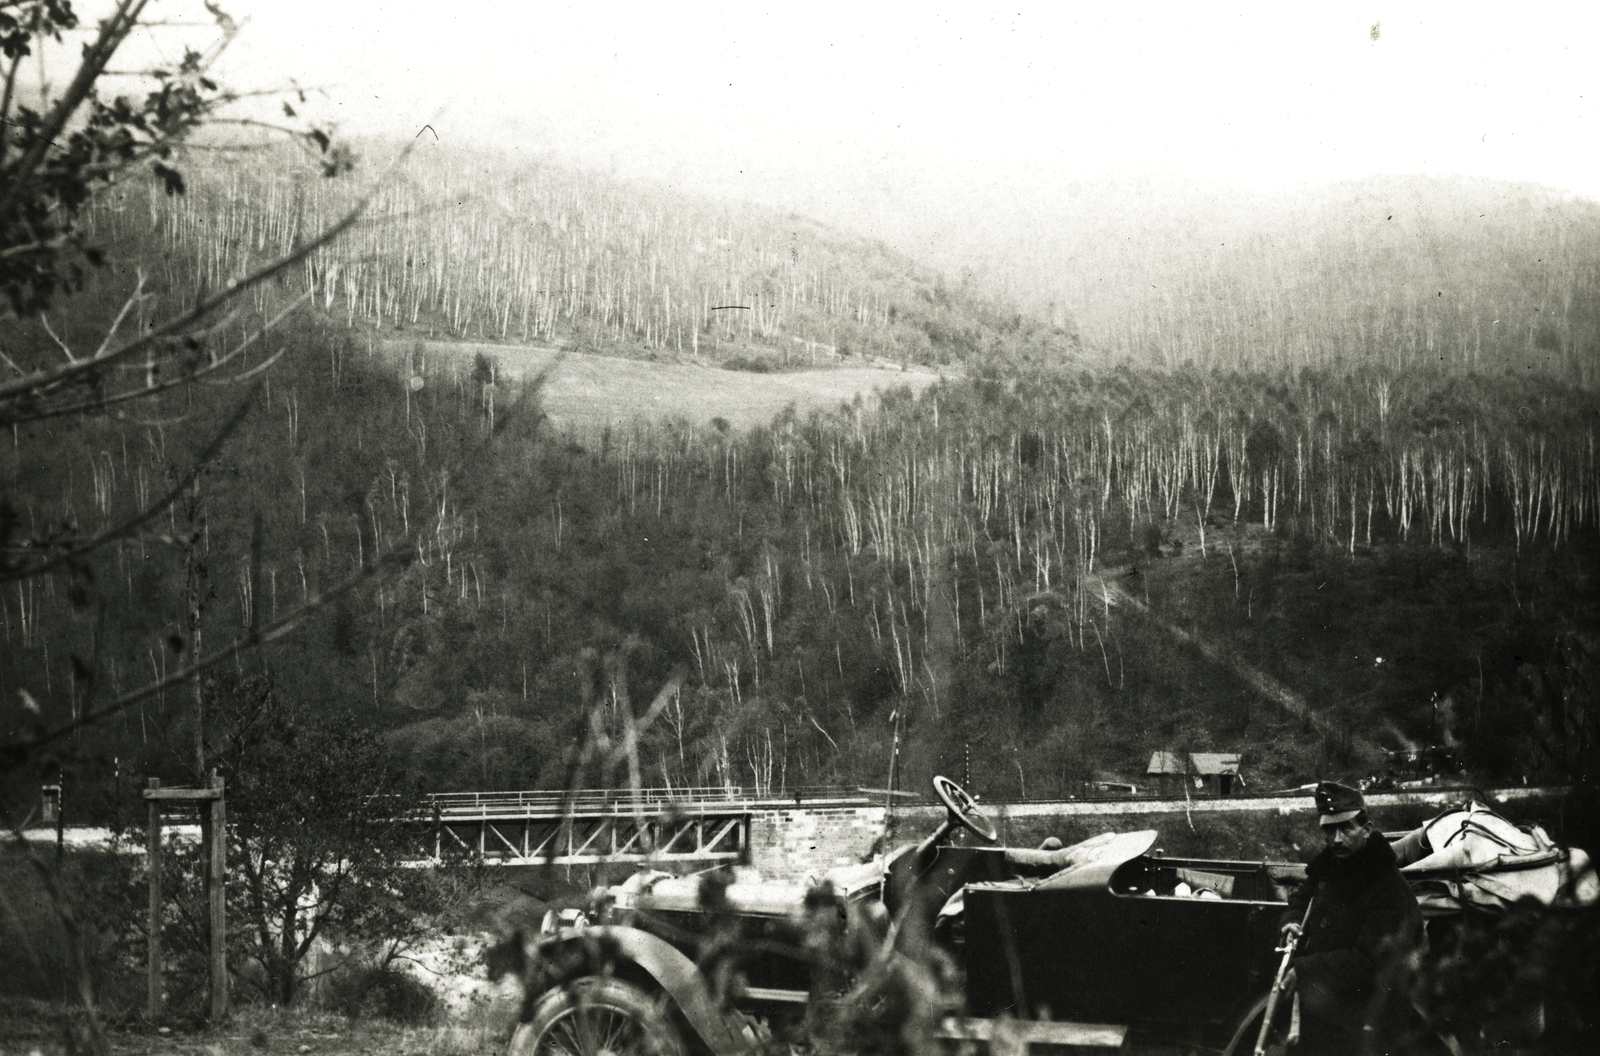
(1398, 272)
(1404, 271)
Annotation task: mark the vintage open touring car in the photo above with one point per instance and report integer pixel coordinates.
(1103, 945)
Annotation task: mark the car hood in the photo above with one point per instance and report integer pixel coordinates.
(1091, 863)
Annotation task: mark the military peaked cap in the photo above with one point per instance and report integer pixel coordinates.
(1337, 803)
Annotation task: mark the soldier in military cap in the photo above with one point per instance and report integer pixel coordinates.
(1363, 917)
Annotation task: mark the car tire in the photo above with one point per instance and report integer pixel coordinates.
(1245, 1035)
(598, 1016)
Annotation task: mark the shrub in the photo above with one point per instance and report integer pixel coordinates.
(1525, 979)
(369, 991)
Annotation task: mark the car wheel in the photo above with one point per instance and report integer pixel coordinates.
(1248, 1032)
(597, 1016)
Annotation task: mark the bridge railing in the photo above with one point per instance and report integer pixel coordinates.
(650, 800)
(718, 799)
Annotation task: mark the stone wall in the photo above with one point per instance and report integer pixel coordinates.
(793, 844)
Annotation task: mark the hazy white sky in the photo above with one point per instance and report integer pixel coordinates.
(736, 97)
(896, 118)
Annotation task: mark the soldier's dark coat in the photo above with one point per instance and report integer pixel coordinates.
(1363, 917)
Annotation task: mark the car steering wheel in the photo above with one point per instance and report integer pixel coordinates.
(964, 810)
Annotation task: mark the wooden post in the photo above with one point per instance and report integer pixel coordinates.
(216, 878)
(61, 820)
(153, 867)
(213, 821)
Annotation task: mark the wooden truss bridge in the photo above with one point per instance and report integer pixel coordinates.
(706, 825)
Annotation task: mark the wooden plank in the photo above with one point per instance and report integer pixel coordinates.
(1021, 1033)
(766, 993)
(182, 794)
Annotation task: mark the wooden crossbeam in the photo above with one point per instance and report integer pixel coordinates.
(734, 825)
(602, 829)
(451, 832)
(680, 829)
(639, 835)
(513, 848)
(594, 839)
(542, 850)
(182, 794)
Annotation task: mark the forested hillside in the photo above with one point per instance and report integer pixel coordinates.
(1034, 575)
(1401, 272)
(956, 565)
(496, 247)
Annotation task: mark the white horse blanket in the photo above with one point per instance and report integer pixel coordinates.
(1470, 855)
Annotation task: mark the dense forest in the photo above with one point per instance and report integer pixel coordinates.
(1032, 575)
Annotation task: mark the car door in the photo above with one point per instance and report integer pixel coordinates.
(1092, 955)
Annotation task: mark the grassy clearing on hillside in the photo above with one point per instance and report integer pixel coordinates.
(590, 391)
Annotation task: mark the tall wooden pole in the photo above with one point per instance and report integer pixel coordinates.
(153, 867)
(216, 893)
(195, 590)
(894, 766)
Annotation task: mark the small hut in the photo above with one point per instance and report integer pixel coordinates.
(1207, 773)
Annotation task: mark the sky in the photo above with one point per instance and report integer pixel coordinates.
(899, 116)
(745, 99)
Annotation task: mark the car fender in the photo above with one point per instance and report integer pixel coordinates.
(571, 954)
